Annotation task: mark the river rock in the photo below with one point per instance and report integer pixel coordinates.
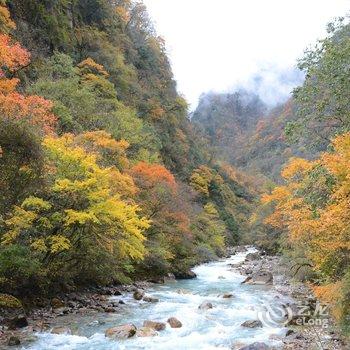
(158, 326)
(252, 324)
(221, 278)
(205, 305)
(252, 256)
(19, 321)
(13, 341)
(57, 303)
(174, 322)
(260, 277)
(240, 249)
(256, 346)
(61, 330)
(183, 291)
(185, 275)
(146, 332)
(227, 296)
(138, 294)
(121, 332)
(150, 299)
(169, 277)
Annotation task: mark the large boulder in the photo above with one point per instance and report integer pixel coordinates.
(174, 322)
(252, 256)
(121, 332)
(260, 277)
(146, 332)
(185, 275)
(240, 249)
(138, 294)
(19, 321)
(158, 326)
(256, 346)
(10, 308)
(13, 341)
(206, 305)
(252, 324)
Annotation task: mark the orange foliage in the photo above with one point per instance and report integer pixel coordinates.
(330, 294)
(33, 109)
(14, 106)
(153, 174)
(318, 228)
(12, 55)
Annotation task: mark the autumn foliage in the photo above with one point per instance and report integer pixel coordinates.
(314, 208)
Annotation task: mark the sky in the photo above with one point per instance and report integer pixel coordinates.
(219, 45)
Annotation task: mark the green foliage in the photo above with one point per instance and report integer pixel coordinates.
(322, 100)
(21, 163)
(20, 269)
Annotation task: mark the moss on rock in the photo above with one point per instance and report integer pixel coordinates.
(9, 302)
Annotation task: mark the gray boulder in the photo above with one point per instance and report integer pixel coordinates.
(174, 322)
(252, 324)
(260, 277)
(252, 256)
(205, 305)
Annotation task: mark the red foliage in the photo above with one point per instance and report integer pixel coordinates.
(12, 55)
(152, 174)
(33, 109)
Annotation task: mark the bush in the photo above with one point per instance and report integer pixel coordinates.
(20, 271)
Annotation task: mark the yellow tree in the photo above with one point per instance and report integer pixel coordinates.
(88, 209)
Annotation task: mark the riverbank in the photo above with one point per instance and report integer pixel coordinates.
(308, 324)
(88, 315)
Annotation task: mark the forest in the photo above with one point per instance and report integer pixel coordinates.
(105, 176)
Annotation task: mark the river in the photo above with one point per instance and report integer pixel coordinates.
(216, 328)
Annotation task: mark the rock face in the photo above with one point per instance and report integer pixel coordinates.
(121, 332)
(260, 277)
(252, 324)
(150, 299)
(138, 294)
(174, 322)
(185, 275)
(256, 346)
(158, 326)
(146, 332)
(205, 305)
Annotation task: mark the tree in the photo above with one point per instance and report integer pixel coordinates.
(322, 100)
(85, 206)
(313, 207)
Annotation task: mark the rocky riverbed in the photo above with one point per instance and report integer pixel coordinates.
(247, 301)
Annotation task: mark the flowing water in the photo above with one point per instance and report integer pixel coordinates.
(216, 328)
